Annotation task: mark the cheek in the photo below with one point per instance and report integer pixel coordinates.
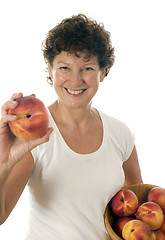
(58, 79)
(93, 80)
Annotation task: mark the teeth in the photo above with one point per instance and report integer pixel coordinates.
(74, 92)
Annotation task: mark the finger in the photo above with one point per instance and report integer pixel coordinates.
(33, 95)
(8, 105)
(9, 118)
(16, 96)
(38, 141)
(6, 119)
(45, 138)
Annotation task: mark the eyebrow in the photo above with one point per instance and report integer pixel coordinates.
(83, 65)
(90, 63)
(63, 62)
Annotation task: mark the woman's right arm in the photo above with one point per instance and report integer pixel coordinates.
(13, 183)
(16, 161)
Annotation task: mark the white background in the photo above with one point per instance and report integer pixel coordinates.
(132, 92)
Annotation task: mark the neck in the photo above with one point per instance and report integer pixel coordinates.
(71, 116)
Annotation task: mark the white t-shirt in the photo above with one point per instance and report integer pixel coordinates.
(70, 191)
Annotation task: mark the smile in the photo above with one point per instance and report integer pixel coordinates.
(75, 92)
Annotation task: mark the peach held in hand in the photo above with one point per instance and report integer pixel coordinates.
(150, 213)
(124, 203)
(32, 119)
(157, 195)
(137, 230)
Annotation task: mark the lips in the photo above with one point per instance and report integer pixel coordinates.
(75, 92)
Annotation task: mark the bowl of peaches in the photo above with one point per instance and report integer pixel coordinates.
(136, 212)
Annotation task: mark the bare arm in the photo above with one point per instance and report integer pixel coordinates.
(132, 169)
(16, 183)
(16, 161)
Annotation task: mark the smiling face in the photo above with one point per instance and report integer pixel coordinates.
(75, 79)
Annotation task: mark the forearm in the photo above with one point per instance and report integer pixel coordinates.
(5, 171)
(2, 203)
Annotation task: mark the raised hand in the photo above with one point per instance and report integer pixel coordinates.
(12, 149)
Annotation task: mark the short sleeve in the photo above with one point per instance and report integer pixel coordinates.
(34, 154)
(121, 136)
(129, 142)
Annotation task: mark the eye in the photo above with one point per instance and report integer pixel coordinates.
(87, 69)
(64, 68)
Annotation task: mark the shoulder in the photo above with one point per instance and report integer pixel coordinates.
(114, 125)
(119, 134)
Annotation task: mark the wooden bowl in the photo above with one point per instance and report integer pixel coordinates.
(141, 191)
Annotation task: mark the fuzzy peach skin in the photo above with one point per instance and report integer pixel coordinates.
(158, 235)
(118, 227)
(124, 203)
(162, 228)
(150, 213)
(32, 119)
(157, 195)
(136, 230)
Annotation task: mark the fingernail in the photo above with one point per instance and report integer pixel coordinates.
(14, 117)
(14, 102)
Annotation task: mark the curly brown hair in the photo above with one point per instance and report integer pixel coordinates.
(80, 34)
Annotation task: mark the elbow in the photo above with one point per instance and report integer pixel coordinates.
(131, 182)
(2, 219)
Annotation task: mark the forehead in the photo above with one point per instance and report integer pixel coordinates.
(80, 57)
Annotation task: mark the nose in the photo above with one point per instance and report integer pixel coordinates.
(76, 78)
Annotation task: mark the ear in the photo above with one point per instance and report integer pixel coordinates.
(50, 71)
(102, 74)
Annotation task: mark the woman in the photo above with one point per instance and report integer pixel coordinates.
(85, 157)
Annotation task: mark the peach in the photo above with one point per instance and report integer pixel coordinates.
(150, 213)
(158, 235)
(32, 118)
(124, 203)
(153, 235)
(157, 195)
(136, 230)
(162, 228)
(118, 227)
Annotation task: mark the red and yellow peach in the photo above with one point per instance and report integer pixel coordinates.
(136, 229)
(124, 203)
(150, 213)
(157, 195)
(32, 118)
